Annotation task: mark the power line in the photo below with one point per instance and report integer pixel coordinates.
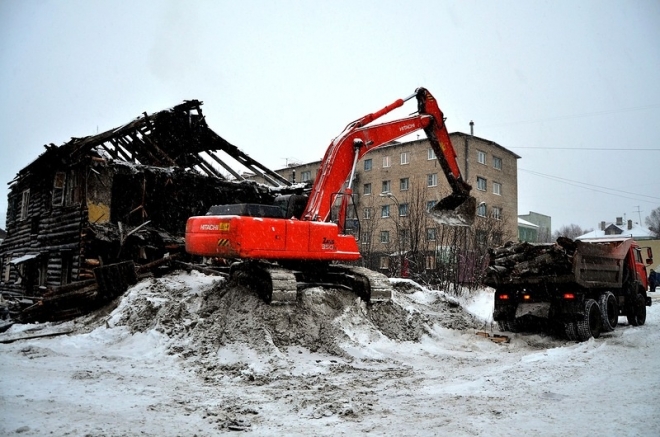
(595, 188)
(585, 148)
(583, 115)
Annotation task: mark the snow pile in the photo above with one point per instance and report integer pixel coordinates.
(189, 354)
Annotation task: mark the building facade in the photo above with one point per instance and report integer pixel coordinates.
(543, 224)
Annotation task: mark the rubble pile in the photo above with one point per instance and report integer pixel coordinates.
(200, 314)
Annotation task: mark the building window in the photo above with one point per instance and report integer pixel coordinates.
(387, 162)
(366, 238)
(368, 213)
(7, 270)
(432, 180)
(496, 213)
(384, 237)
(58, 188)
(430, 234)
(482, 238)
(13, 207)
(387, 187)
(481, 210)
(367, 189)
(404, 236)
(481, 157)
(481, 183)
(306, 176)
(430, 154)
(497, 163)
(497, 188)
(72, 189)
(405, 158)
(385, 211)
(67, 267)
(25, 204)
(367, 164)
(430, 204)
(384, 262)
(404, 183)
(430, 262)
(403, 209)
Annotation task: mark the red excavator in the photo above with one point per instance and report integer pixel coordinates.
(293, 243)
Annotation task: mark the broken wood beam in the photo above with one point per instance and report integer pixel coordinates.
(206, 270)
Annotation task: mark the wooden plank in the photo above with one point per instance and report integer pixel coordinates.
(7, 338)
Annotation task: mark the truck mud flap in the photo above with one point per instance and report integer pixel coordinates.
(540, 309)
(648, 301)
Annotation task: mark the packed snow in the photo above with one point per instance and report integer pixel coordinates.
(189, 354)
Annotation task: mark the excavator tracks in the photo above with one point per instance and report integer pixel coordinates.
(275, 285)
(369, 285)
(279, 285)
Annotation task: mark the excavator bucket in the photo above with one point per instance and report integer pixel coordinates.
(455, 210)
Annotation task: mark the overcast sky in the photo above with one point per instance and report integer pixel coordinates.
(573, 87)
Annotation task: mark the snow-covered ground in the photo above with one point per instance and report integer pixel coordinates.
(150, 367)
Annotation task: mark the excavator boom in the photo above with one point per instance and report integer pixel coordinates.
(458, 209)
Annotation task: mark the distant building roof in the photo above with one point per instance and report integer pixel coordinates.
(526, 224)
(630, 229)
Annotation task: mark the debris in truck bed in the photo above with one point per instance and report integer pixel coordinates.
(522, 259)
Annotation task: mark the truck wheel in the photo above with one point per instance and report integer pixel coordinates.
(570, 329)
(609, 311)
(637, 311)
(507, 325)
(590, 324)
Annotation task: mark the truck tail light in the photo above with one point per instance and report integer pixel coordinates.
(569, 296)
(503, 297)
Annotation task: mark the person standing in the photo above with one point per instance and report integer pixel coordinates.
(653, 280)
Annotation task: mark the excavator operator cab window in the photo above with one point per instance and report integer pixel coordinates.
(291, 205)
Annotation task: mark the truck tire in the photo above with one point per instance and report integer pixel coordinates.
(590, 324)
(609, 311)
(636, 313)
(507, 325)
(570, 330)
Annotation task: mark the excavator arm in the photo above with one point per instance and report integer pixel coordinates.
(359, 137)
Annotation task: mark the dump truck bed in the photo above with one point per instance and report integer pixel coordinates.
(588, 263)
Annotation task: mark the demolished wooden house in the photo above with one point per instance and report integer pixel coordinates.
(84, 217)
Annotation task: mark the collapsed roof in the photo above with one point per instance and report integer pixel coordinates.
(175, 137)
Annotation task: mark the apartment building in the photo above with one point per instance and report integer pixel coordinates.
(393, 182)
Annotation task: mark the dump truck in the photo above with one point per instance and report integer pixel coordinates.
(578, 288)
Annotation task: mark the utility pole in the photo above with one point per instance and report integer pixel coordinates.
(639, 213)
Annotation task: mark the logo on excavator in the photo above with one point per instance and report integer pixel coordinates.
(407, 127)
(218, 227)
(328, 244)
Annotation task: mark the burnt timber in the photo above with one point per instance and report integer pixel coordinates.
(84, 216)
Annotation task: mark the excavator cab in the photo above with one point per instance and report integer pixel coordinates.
(291, 205)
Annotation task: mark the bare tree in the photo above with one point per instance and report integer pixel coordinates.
(369, 239)
(653, 222)
(415, 223)
(571, 231)
(544, 236)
